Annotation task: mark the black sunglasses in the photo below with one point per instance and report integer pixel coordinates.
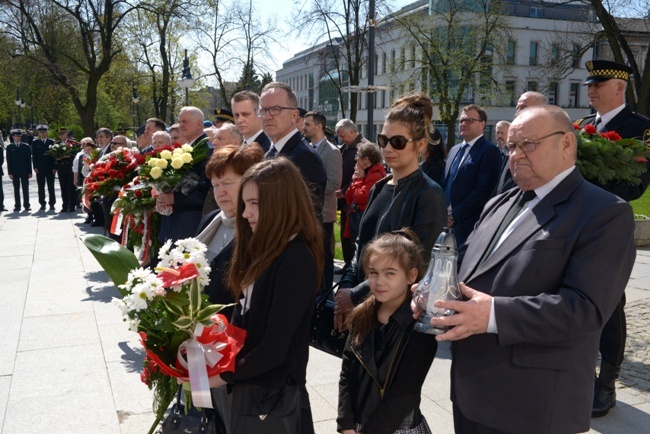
(397, 142)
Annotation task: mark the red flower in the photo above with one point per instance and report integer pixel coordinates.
(577, 127)
(611, 135)
(138, 193)
(641, 159)
(590, 129)
(174, 277)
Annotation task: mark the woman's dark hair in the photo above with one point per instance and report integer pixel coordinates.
(369, 150)
(435, 148)
(415, 111)
(402, 246)
(236, 158)
(285, 210)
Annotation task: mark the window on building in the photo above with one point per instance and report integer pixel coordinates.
(402, 56)
(511, 54)
(511, 89)
(392, 61)
(532, 86)
(575, 56)
(574, 95)
(383, 98)
(384, 63)
(536, 12)
(413, 56)
(532, 59)
(555, 54)
(552, 94)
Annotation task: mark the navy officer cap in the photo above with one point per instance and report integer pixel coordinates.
(603, 70)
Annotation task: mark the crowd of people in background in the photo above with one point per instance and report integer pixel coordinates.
(534, 238)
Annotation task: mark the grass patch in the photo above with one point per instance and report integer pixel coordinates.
(338, 251)
(642, 204)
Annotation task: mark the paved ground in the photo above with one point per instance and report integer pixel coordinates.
(68, 364)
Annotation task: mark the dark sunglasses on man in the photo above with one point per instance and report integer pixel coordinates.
(397, 142)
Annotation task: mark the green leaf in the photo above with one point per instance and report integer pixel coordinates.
(205, 313)
(173, 307)
(114, 258)
(183, 322)
(178, 298)
(195, 296)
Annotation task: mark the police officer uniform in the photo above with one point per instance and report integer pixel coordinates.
(2, 160)
(222, 116)
(627, 124)
(19, 168)
(44, 165)
(66, 178)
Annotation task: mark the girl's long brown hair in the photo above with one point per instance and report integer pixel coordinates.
(285, 208)
(404, 247)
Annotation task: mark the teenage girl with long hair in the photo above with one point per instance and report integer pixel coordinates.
(275, 272)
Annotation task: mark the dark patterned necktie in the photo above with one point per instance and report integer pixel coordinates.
(272, 153)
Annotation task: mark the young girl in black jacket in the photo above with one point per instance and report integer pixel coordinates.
(385, 361)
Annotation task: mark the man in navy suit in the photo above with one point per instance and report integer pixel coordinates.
(544, 269)
(44, 166)
(471, 174)
(278, 110)
(244, 108)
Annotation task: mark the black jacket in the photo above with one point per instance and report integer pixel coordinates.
(277, 322)
(360, 399)
(44, 163)
(418, 203)
(19, 159)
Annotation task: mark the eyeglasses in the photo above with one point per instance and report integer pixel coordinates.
(468, 121)
(273, 111)
(118, 143)
(528, 145)
(397, 142)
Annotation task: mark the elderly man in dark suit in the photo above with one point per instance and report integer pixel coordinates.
(279, 112)
(607, 82)
(471, 174)
(44, 166)
(545, 267)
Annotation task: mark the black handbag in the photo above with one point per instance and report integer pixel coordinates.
(322, 334)
(204, 421)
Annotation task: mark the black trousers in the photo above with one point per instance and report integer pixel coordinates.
(68, 190)
(42, 178)
(613, 336)
(19, 181)
(462, 425)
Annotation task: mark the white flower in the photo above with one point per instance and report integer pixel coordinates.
(187, 148)
(121, 305)
(191, 245)
(165, 248)
(186, 157)
(136, 302)
(153, 162)
(166, 154)
(177, 163)
(156, 172)
(134, 324)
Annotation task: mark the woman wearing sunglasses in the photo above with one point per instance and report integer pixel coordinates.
(405, 199)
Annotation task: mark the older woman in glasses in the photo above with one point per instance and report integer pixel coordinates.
(405, 199)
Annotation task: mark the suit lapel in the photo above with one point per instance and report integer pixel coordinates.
(291, 143)
(532, 223)
(617, 122)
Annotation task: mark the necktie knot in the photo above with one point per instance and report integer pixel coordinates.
(528, 195)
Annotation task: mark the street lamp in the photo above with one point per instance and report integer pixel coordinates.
(19, 102)
(135, 100)
(186, 79)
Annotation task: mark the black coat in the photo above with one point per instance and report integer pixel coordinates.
(628, 125)
(44, 163)
(418, 203)
(360, 400)
(2, 159)
(19, 159)
(278, 321)
(310, 165)
(264, 141)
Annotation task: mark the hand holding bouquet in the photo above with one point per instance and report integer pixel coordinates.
(63, 150)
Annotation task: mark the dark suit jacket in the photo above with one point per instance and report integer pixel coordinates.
(183, 222)
(310, 166)
(2, 159)
(473, 185)
(264, 141)
(44, 163)
(628, 125)
(556, 280)
(19, 159)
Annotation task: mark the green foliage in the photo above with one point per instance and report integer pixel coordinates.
(114, 258)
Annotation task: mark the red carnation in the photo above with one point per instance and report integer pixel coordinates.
(577, 127)
(611, 135)
(590, 129)
(640, 159)
(138, 193)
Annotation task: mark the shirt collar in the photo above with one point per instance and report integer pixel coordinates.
(471, 142)
(254, 137)
(611, 114)
(283, 141)
(545, 189)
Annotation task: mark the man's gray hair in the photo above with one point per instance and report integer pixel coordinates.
(503, 124)
(165, 134)
(345, 125)
(232, 128)
(194, 112)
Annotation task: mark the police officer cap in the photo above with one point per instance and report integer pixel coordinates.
(224, 115)
(603, 70)
(42, 128)
(16, 131)
(139, 131)
(62, 130)
(301, 112)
